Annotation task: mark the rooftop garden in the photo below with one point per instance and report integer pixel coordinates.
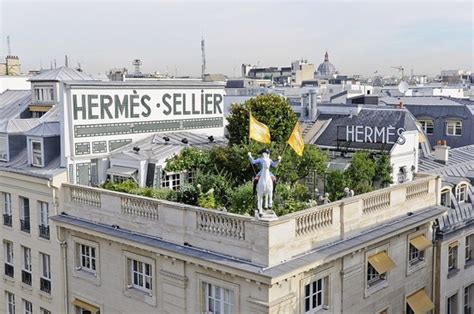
(223, 175)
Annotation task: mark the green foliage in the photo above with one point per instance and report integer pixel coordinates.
(242, 200)
(219, 182)
(383, 173)
(207, 200)
(189, 158)
(294, 168)
(131, 187)
(290, 198)
(336, 181)
(270, 109)
(361, 172)
(188, 194)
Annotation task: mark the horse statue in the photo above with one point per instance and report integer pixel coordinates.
(264, 181)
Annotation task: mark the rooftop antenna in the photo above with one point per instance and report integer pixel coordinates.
(203, 52)
(401, 69)
(9, 48)
(137, 63)
(403, 87)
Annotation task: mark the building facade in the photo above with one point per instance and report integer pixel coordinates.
(367, 254)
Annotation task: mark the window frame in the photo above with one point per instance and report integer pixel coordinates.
(27, 307)
(7, 203)
(223, 284)
(453, 256)
(33, 151)
(461, 193)
(43, 211)
(468, 295)
(424, 125)
(87, 258)
(4, 139)
(26, 259)
(455, 126)
(446, 191)
(323, 292)
(209, 291)
(375, 285)
(79, 270)
(171, 180)
(10, 302)
(456, 305)
(469, 248)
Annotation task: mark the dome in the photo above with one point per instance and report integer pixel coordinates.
(326, 68)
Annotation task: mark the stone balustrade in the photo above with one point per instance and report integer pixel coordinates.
(85, 196)
(263, 242)
(314, 220)
(140, 207)
(376, 202)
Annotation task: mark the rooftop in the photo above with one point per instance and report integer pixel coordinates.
(62, 74)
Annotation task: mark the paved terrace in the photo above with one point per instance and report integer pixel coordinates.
(260, 247)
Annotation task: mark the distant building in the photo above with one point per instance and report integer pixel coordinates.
(301, 70)
(11, 66)
(441, 118)
(325, 69)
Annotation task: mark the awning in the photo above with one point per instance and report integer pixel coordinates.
(39, 108)
(381, 262)
(121, 171)
(420, 242)
(86, 306)
(420, 302)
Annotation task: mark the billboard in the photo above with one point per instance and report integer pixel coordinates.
(101, 119)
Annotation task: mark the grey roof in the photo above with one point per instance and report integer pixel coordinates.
(45, 129)
(279, 272)
(460, 162)
(18, 126)
(373, 117)
(155, 147)
(421, 100)
(13, 103)
(146, 84)
(19, 164)
(62, 74)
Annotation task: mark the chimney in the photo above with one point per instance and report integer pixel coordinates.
(441, 153)
(401, 105)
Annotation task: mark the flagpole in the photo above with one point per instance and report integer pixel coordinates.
(248, 142)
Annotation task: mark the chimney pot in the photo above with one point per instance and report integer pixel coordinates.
(441, 153)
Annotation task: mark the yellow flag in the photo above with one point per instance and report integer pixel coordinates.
(259, 131)
(296, 140)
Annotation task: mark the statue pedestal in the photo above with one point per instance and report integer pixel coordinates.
(268, 215)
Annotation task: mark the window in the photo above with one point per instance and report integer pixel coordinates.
(469, 248)
(171, 180)
(10, 300)
(44, 311)
(36, 154)
(427, 126)
(452, 304)
(468, 299)
(141, 276)
(445, 198)
(402, 175)
(377, 268)
(4, 147)
(315, 294)
(418, 302)
(454, 127)
(26, 271)
(28, 307)
(25, 214)
(45, 279)
(218, 299)
(8, 253)
(44, 219)
(87, 258)
(44, 94)
(82, 307)
(416, 249)
(453, 256)
(7, 209)
(461, 193)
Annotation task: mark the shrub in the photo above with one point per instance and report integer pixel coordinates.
(242, 200)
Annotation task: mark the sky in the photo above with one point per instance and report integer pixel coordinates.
(361, 37)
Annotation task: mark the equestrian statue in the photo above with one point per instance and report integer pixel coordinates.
(264, 182)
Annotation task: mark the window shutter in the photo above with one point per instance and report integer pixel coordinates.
(129, 272)
(326, 290)
(157, 179)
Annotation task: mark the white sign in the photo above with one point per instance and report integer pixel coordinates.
(368, 134)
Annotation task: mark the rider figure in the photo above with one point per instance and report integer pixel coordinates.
(265, 154)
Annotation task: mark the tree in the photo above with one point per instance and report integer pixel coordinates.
(270, 109)
(336, 181)
(383, 173)
(361, 172)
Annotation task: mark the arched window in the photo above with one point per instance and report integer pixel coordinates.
(445, 198)
(461, 193)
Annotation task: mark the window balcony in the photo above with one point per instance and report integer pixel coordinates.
(45, 285)
(9, 270)
(25, 225)
(44, 231)
(7, 220)
(26, 277)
